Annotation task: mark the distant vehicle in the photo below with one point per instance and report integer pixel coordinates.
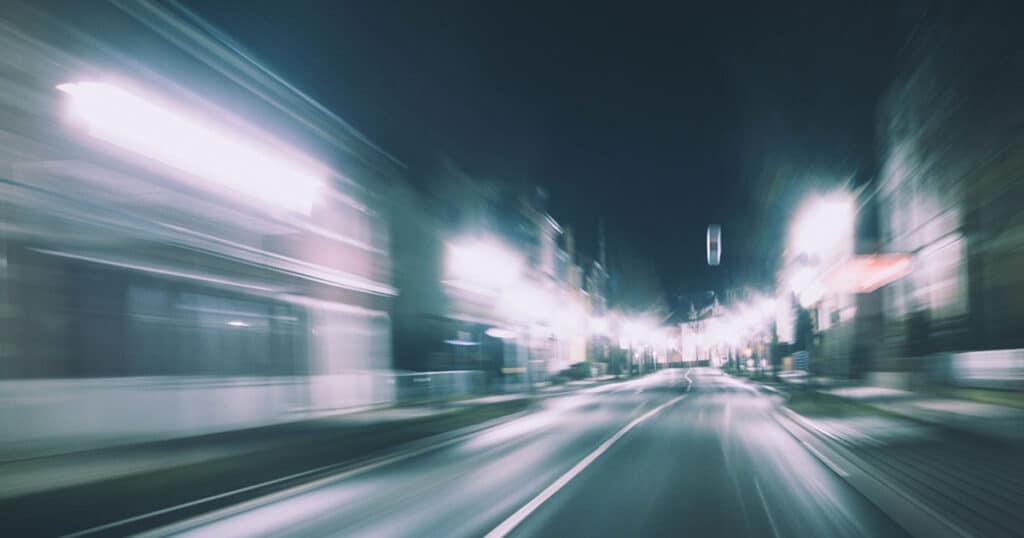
(714, 244)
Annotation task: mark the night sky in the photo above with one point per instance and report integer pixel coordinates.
(657, 119)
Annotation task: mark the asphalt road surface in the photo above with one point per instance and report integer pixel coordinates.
(679, 453)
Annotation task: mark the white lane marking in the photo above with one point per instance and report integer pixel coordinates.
(515, 519)
(764, 503)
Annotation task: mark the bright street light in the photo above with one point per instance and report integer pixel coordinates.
(806, 284)
(193, 145)
(823, 226)
(767, 307)
(503, 334)
(526, 302)
(635, 332)
(484, 264)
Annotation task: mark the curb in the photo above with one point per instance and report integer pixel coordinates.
(904, 508)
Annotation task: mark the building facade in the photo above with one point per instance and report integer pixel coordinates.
(949, 189)
(154, 286)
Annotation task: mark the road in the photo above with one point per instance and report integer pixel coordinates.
(677, 453)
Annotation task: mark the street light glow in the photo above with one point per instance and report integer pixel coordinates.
(485, 264)
(810, 294)
(640, 332)
(192, 145)
(823, 226)
(526, 302)
(502, 334)
(767, 307)
(802, 278)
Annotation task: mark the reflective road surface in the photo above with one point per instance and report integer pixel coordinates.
(682, 452)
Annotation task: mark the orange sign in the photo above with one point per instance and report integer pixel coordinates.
(865, 274)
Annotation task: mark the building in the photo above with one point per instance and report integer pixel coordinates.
(949, 190)
(488, 282)
(188, 243)
(599, 323)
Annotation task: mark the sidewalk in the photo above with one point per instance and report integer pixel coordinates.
(95, 487)
(930, 479)
(32, 475)
(997, 421)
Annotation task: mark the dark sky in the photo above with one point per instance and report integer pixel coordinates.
(659, 119)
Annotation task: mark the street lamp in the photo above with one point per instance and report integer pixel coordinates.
(484, 263)
(823, 226)
(821, 235)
